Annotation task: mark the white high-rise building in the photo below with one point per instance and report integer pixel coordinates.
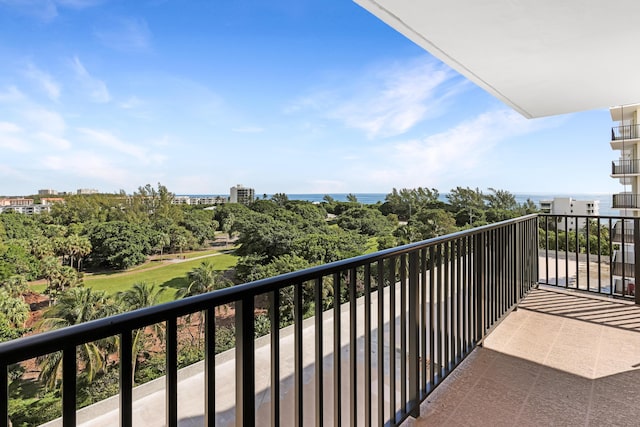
(625, 138)
(241, 194)
(570, 206)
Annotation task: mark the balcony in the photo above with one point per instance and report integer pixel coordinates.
(619, 133)
(561, 359)
(398, 337)
(626, 201)
(625, 167)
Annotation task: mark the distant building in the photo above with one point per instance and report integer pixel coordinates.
(87, 191)
(51, 200)
(16, 202)
(570, 206)
(241, 194)
(47, 192)
(188, 200)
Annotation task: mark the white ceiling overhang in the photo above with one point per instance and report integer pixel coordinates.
(541, 57)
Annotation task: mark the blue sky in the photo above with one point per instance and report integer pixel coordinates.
(285, 96)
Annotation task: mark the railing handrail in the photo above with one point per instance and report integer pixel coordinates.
(625, 132)
(47, 342)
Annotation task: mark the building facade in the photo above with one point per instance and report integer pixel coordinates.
(625, 139)
(570, 206)
(241, 194)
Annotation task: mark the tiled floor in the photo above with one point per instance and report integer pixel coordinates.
(561, 359)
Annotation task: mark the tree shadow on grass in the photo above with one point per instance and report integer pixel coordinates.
(175, 284)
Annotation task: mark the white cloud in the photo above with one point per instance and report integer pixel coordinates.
(44, 81)
(12, 138)
(44, 120)
(128, 34)
(454, 154)
(88, 165)
(132, 102)
(53, 141)
(108, 140)
(387, 101)
(46, 10)
(12, 94)
(96, 88)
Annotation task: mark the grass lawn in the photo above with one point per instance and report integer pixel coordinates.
(170, 277)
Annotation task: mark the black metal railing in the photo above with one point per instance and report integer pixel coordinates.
(626, 201)
(423, 307)
(625, 132)
(622, 167)
(589, 253)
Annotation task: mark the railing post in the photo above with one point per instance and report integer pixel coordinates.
(479, 270)
(210, 367)
(126, 379)
(636, 257)
(245, 362)
(4, 394)
(414, 329)
(69, 372)
(171, 377)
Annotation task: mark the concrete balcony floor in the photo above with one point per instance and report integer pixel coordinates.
(562, 359)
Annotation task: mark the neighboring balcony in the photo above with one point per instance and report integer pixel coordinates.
(425, 331)
(625, 167)
(626, 201)
(622, 134)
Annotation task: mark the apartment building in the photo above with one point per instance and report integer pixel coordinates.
(571, 206)
(241, 194)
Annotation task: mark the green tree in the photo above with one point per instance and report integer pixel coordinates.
(202, 279)
(119, 244)
(280, 199)
(365, 220)
(77, 305)
(141, 295)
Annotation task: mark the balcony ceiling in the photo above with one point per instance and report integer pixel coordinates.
(542, 58)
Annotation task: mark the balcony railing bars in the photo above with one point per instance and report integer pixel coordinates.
(622, 167)
(452, 291)
(626, 200)
(625, 132)
(592, 256)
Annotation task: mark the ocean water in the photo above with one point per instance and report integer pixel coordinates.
(373, 198)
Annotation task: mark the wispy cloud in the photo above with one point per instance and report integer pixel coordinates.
(44, 120)
(56, 142)
(386, 101)
(84, 164)
(47, 10)
(455, 153)
(96, 88)
(11, 94)
(12, 138)
(110, 141)
(44, 81)
(128, 34)
(132, 102)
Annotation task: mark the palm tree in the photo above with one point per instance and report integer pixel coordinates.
(202, 279)
(15, 286)
(14, 309)
(77, 305)
(141, 295)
